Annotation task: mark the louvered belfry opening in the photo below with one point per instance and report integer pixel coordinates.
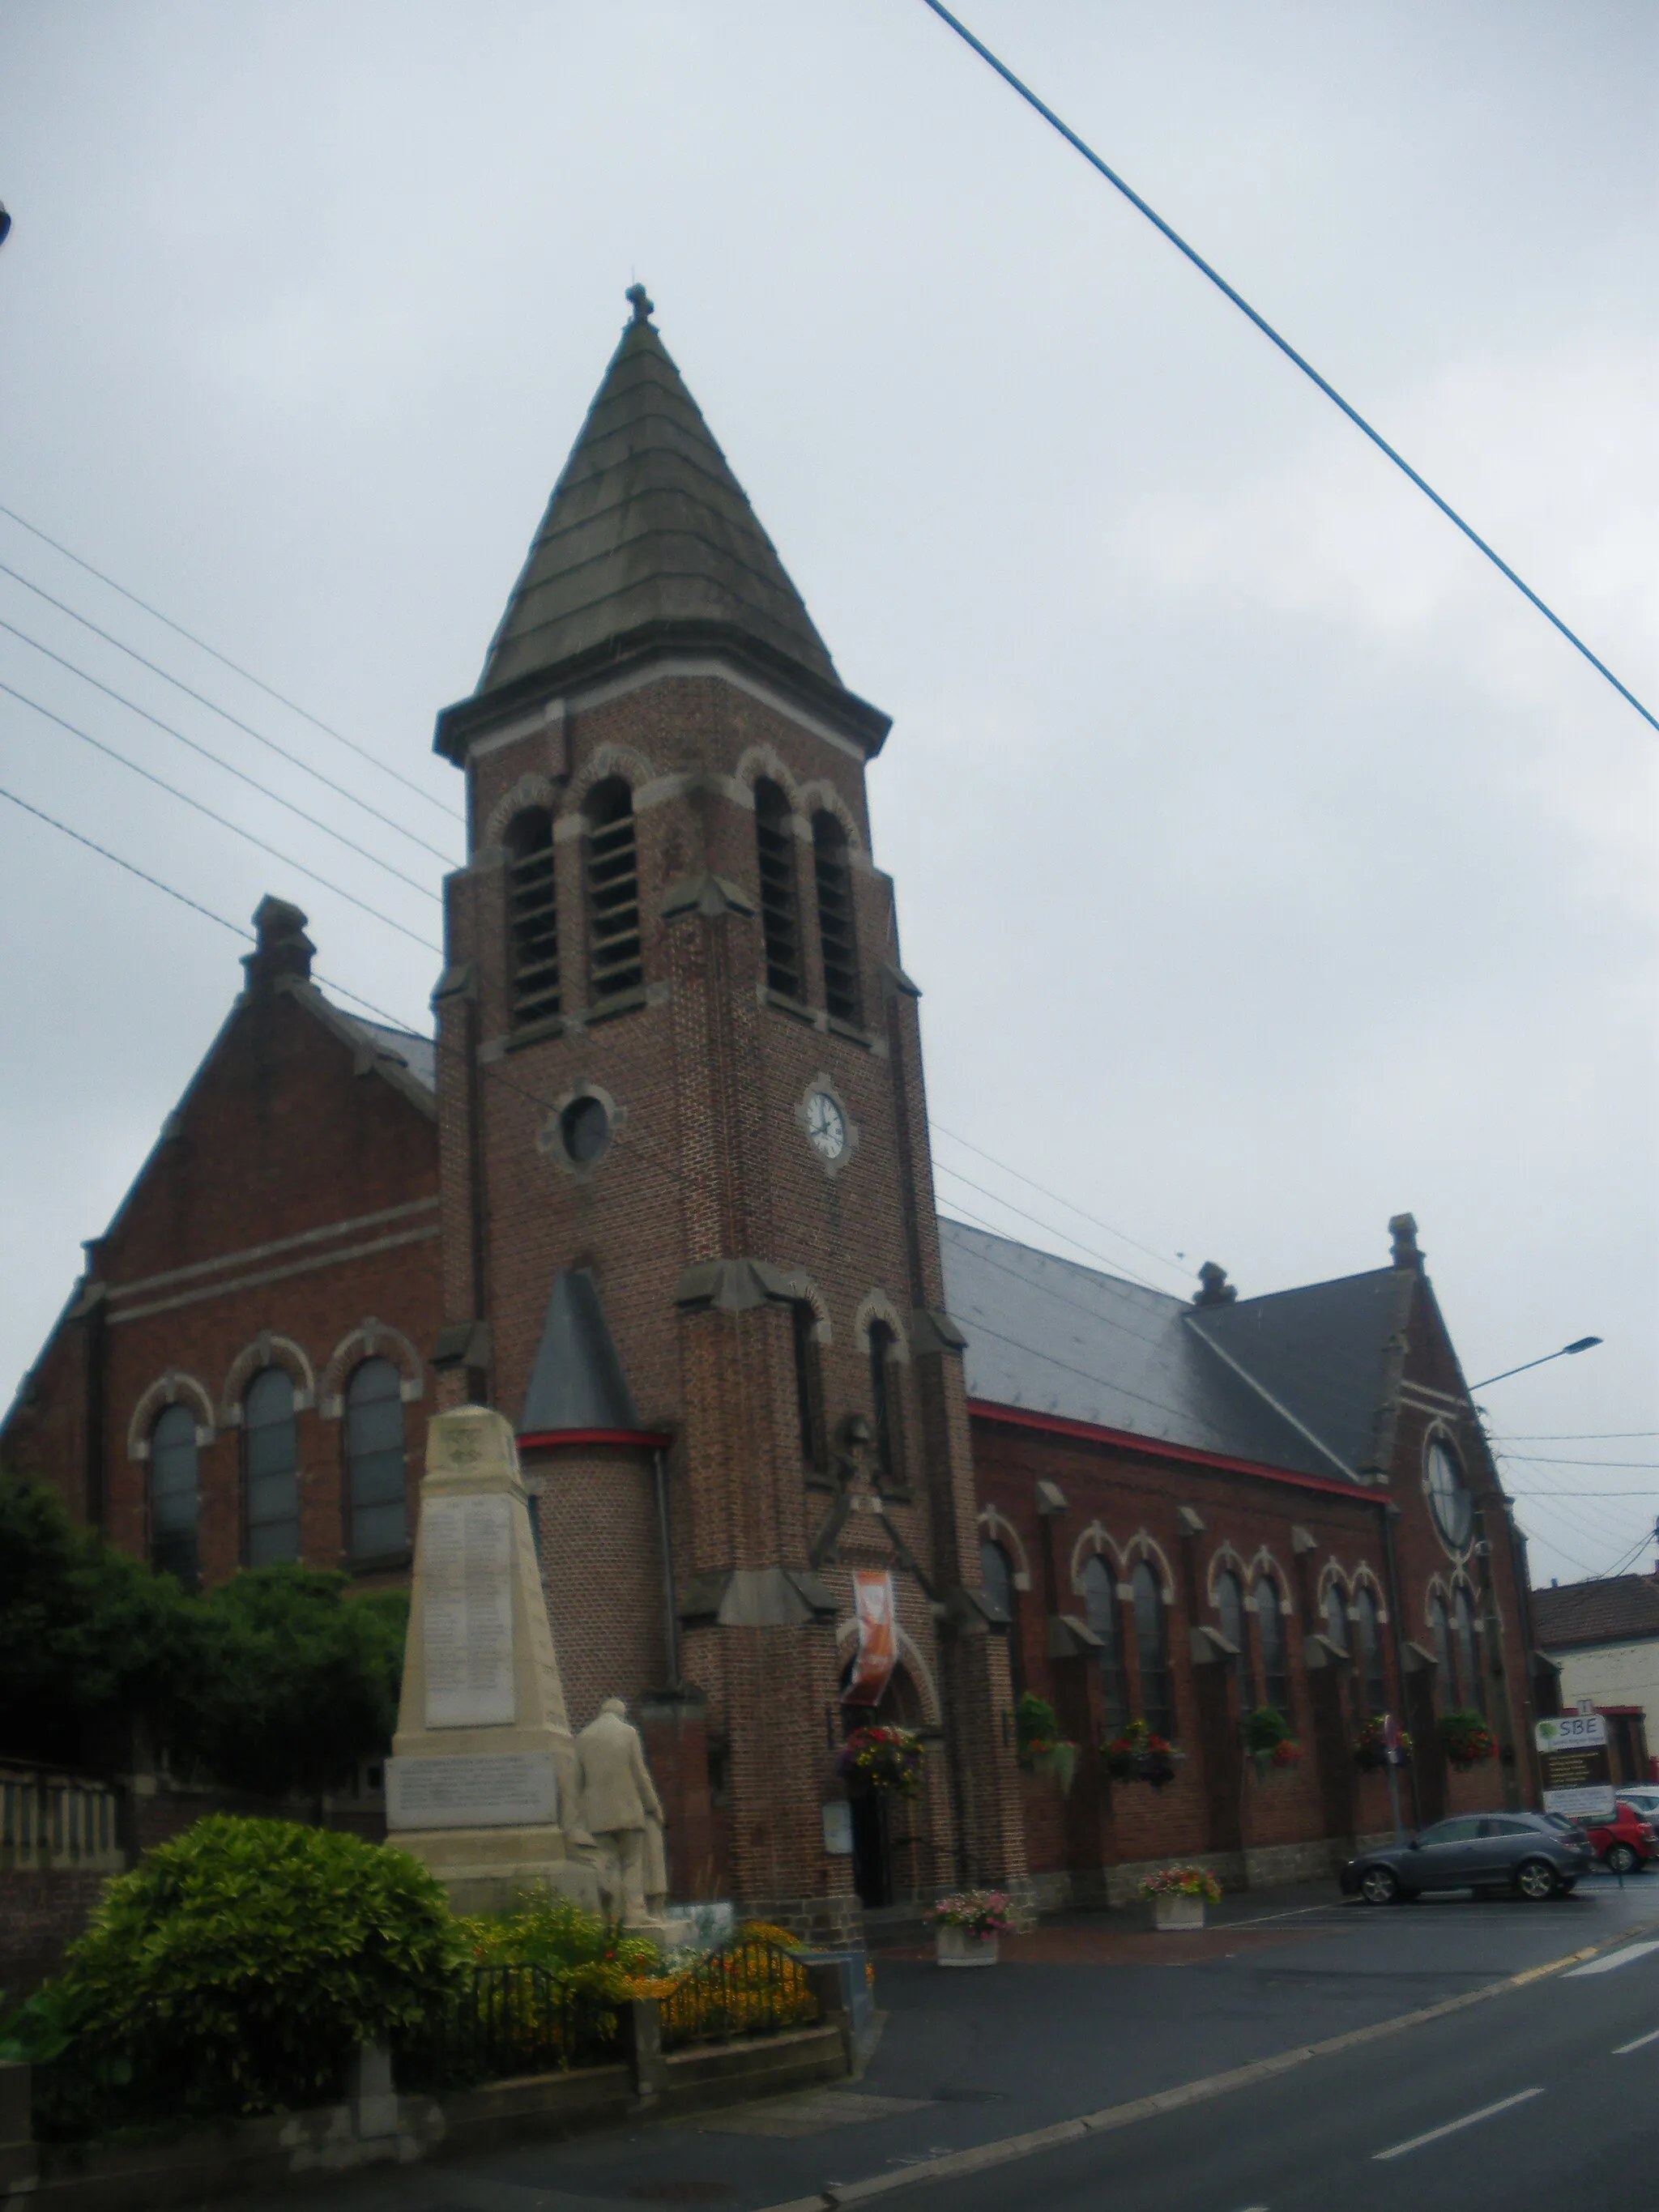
(613, 891)
(774, 840)
(836, 931)
(532, 918)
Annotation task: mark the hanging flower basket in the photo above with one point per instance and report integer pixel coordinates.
(1178, 1895)
(883, 1758)
(1268, 1738)
(1466, 1739)
(1042, 1748)
(1136, 1754)
(1370, 1750)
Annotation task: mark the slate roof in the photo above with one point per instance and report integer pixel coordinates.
(1621, 1609)
(647, 524)
(578, 1381)
(1296, 1380)
(419, 1055)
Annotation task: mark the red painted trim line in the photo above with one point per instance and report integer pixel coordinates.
(647, 1437)
(1017, 1417)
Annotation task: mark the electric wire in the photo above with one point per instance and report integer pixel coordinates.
(162, 784)
(1572, 1436)
(219, 760)
(236, 667)
(1123, 1236)
(942, 1167)
(202, 700)
(1285, 346)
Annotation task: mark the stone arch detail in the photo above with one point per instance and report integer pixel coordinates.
(821, 798)
(762, 762)
(996, 1528)
(173, 1389)
(605, 760)
(921, 1674)
(878, 1306)
(529, 791)
(1095, 1544)
(1333, 1572)
(807, 1292)
(1141, 1546)
(1364, 1574)
(1436, 1587)
(370, 1339)
(267, 1350)
(1265, 1568)
(1222, 1558)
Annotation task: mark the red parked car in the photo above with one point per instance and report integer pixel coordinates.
(1625, 1843)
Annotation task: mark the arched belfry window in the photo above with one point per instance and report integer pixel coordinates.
(374, 1459)
(997, 1574)
(1468, 1649)
(1104, 1615)
(271, 1458)
(532, 918)
(614, 962)
(1152, 1651)
(174, 1496)
(1371, 1669)
(774, 843)
(1229, 1604)
(836, 931)
(1270, 1641)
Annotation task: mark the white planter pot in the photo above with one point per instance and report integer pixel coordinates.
(961, 1946)
(1177, 1912)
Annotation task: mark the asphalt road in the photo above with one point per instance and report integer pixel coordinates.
(1542, 2100)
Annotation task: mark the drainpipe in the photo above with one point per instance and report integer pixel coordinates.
(670, 1608)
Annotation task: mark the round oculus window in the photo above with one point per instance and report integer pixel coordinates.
(1448, 1501)
(584, 1130)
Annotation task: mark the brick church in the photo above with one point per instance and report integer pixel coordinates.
(660, 1189)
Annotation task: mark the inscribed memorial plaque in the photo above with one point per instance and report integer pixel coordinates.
(466, 1591)
(514, 1789)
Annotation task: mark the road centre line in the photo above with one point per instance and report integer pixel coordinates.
(1652, 2036)
(1605, 1966)
(1451, 2128)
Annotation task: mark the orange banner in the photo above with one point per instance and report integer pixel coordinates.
(877, 1653)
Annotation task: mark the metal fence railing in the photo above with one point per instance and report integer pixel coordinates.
(507, 2020)
(53, 1820)
(749, 1987)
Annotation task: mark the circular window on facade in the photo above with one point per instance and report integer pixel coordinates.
(584, 1130)
(1448, 1501)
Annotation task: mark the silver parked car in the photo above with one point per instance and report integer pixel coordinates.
(1528, 1852)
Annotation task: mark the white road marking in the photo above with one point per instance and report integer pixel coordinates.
(1652, 2036)
(1399, 2150)
(1614, 1958)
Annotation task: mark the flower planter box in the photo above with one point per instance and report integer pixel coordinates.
(962, 1946)
(1177, 1912)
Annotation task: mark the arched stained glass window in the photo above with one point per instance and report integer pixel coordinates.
(174, 1496)
(1334, 1612)
(996, 1572)
(1230, 1606)
(1446, 1673)
(374, 1459)
(1105, 1616)
(1270, 1636)
(1469, 1651)
(1372, 1669)
(270, 1459)
(1152, 1651)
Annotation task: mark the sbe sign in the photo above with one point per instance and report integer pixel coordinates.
(1578, 1770)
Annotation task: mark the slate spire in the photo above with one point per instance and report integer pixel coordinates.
(647, 529)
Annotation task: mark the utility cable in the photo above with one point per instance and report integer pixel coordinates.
(1285, 347)
(236, 667)
(1072, 1207)
(235, 720)
(218, 760)
(162, 784)
(943, 1166)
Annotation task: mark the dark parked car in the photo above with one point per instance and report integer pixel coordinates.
(1478, 1851)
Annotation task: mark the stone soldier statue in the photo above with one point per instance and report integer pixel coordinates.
(621, 1810)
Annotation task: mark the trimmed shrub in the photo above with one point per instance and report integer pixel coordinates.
(240, 1964)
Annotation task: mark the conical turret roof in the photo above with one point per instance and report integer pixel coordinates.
(650, 540)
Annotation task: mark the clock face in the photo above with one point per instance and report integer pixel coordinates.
(826, 1126)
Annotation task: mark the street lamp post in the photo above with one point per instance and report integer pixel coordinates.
(1581, 1344)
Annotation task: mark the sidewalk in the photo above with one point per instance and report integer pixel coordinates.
(1084, 2012)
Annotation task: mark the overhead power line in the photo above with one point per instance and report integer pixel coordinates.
(236, 830)
(202, 700)
(1285, 346)
(1123, 1236)
(225, 661)
(218, 760)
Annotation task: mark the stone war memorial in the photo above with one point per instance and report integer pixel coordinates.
(485, 1782)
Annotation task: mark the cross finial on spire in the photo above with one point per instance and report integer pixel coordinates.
(640, 301)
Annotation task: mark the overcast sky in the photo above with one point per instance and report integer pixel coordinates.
(1268, 864)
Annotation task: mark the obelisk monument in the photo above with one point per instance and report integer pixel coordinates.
(483, 1783)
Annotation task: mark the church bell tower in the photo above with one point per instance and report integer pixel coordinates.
(690, 1239)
